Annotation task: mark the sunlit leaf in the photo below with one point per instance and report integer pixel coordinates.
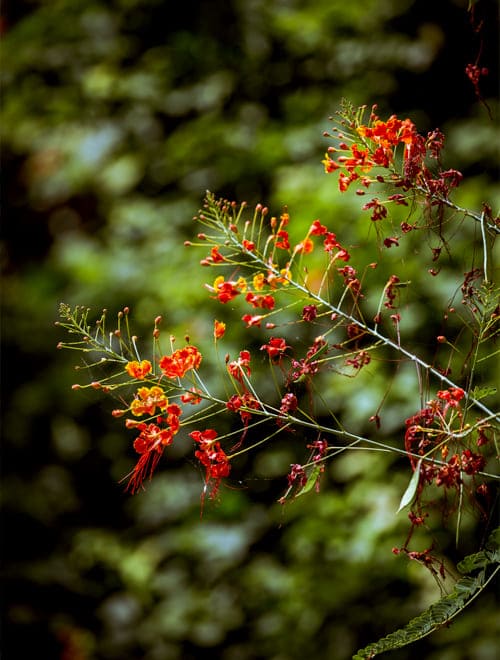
(409, 493)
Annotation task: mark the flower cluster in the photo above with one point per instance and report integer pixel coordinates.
(212, 457)
(163, 417)
(322, 322)
(368, 154)
(432, 432)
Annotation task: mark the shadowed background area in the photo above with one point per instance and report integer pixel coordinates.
(116, 117)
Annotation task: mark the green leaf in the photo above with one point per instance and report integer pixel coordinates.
(312, 478)
(409, 493)
(447, 607)
(482, 392)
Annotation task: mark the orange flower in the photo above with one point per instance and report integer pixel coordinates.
(391, 132)
(138, 370)
(181, 361)
(304, 247)
(330, 165)
(147, 400)
(219, 329)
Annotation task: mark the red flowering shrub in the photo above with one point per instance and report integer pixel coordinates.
(450, 442)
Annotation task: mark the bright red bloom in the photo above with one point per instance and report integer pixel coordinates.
(276, 347)
(259, 300)
(248, 245)
(342, 254)
(137, 369)
(390, 133)
(181, 361)
(284, 243)
(317, 229)
(226, 291)
(453, 395)
(150, 445)
(204, 438)
(331, 242)
(212, 457)
(215, 255)
(246, 400)
(237, 368)
(345, 181)
(252, 320)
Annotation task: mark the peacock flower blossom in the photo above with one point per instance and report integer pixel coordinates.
(147, 400)
(180, 362)
(138, 370)
(219, 329)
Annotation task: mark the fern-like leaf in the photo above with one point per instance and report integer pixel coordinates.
(445, 609)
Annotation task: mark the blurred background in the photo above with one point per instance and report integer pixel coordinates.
(116, 117)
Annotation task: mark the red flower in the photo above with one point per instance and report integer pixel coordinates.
(276, 347)
(204, 438)
(471, 462)
(226, 291)
(237, 368)
(309, 313)
(193, 397)
(252, 320)
(449, 475)
(379, 210)
(212, 457)
(215, 256)
(246, 400)
(150, 445)
(289, 403)
(331, 242)
(259, 300)
(330, 165)
(248, 245)
(452, 396)
(284, 243)
(342, 254)
(317, 229)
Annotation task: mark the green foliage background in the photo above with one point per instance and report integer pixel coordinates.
(116, 117)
